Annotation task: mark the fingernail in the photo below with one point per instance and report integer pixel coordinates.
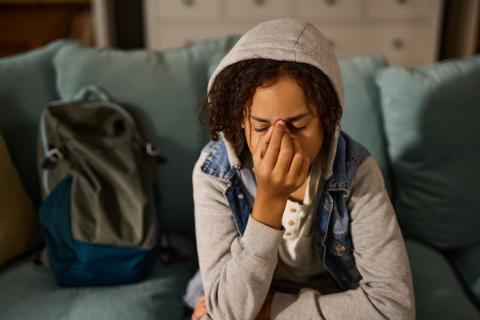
(281, 122)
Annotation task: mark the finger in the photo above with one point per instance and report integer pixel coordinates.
(203, 311)
(297, 160)
(297, 147)
(259, 151)
(199, 312)
(195, 315)
(268, 136)
(198, 315)
(288, 130)
(271, 154)
(284, 156)
(200, 303)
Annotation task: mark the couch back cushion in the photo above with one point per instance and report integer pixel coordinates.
(467, 263)
(362, 117)
(163, 89)
(432, 121)
(27, 86)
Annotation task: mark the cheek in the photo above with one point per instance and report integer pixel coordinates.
(252, 139)
(307, 147)
(255, 139)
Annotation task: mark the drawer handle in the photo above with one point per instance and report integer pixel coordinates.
(332, 42)
(259, 2)
(398, 43)
(331, 2)
(188, 3)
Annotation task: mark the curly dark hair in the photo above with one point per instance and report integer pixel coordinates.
(233, 89)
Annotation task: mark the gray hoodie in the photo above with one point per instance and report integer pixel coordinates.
(238, 271)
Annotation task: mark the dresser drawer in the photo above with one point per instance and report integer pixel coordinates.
(405, 31)
(329, 9)
(178, 35)
(186, 9)
(258, 9)
(404, 44)
(401, 9)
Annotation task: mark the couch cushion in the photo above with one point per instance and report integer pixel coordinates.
(438, 293)
(467, 262)
(29, 292)
(432, 125)
(19, 231)
(164, 89)
(27, 86)
(362, 117)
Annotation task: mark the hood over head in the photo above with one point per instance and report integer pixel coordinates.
(292, 40)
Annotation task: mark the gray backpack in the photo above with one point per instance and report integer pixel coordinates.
(98, 174)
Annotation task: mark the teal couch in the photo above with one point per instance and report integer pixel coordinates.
(427, 157)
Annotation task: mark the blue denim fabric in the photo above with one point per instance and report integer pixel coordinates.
(332, 236)
(194, 290)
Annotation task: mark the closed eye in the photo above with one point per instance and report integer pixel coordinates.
(292, 129)
(261, 129)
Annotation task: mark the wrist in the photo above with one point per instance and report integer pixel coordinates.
(268, 209)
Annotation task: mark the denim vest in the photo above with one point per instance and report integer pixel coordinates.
(332, 237)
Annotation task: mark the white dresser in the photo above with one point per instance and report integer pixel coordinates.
(406, 31)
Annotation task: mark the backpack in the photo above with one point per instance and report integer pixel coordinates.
(99, 214)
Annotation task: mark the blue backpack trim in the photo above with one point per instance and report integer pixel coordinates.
(75, 263)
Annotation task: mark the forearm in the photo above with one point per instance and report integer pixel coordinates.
(352, 304)
(243, 283)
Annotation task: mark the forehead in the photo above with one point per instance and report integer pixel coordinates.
(281, 99)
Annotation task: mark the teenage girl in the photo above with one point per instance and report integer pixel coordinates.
(292, 217)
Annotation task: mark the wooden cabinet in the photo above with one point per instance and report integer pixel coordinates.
(30, 24)
(407, 32)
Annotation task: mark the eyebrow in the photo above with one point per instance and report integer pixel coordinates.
(290, 119)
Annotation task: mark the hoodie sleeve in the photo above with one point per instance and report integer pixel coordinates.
(236, 270)
(386, 289)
